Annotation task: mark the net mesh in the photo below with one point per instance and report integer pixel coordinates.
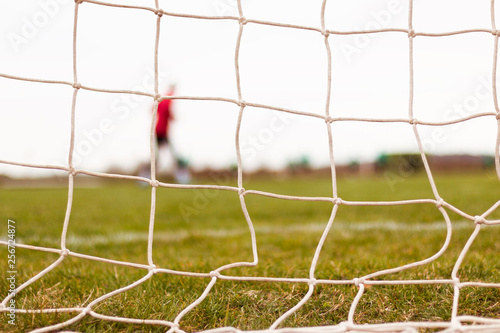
(457, 322)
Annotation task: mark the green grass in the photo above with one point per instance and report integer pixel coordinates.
(201, 230)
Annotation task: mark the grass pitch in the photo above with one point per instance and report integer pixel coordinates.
(200, 230)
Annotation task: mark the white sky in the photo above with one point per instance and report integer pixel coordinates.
(280, 67)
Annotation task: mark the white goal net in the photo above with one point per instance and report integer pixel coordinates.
(330, 107)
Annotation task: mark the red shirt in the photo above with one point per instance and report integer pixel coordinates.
(163, 118)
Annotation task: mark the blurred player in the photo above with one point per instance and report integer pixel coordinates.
(164, 116)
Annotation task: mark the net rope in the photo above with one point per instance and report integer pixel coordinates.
(457, 322)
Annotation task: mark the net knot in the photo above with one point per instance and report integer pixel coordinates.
(153, 268)
(357, 282)
(243, 20)
(495, 33)
(78, 2)
(77, 85)
(242, 104)
(72, 171)
(328, 120)
(337, 201)
(241, 191)
(214, 274)
(157, 97)
(456, 326)
(155, 183)
(325, 33)
(413, 121)
(159, 12)
(312, 282)
(498, 116)
(439, 203)
(479, 220)
(456, 282)
(65, 253)
(411, 33)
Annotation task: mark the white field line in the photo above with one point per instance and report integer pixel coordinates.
(180, 235)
